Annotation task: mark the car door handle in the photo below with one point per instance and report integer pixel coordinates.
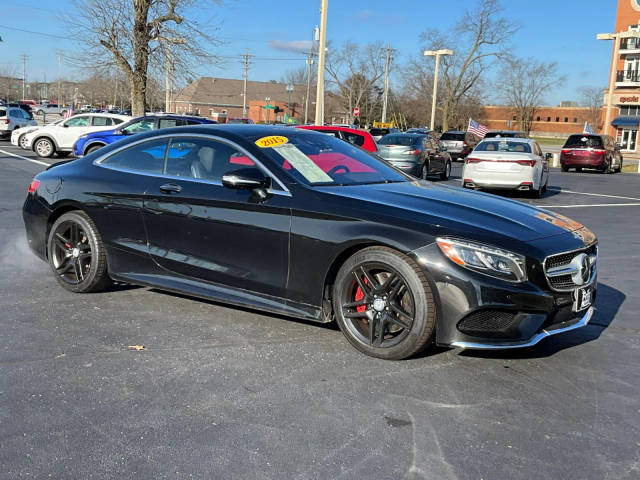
(170, 188)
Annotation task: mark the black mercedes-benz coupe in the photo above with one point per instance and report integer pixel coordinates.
(303, 224)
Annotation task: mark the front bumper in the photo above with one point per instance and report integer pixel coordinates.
(477, 311)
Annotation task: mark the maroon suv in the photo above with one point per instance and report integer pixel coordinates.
(591, 151)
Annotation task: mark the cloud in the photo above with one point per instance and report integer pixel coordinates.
(297, 46)
(364, 15)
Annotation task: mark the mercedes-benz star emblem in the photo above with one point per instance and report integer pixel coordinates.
(583, 269)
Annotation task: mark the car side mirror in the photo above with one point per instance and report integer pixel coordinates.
(64, 125)
(548, 157)
(245, 179)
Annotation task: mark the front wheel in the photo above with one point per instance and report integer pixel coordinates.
(383, 304)
(22, 141)
(92, 149)
(76, 253)
(44, 148)
(425, 171)
(619, 167)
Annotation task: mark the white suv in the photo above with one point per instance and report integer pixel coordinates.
(12, 118)
(60, 137)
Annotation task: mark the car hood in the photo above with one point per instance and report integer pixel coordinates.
(446, 210)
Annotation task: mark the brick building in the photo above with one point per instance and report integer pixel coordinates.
(624, 104)
(547, 121)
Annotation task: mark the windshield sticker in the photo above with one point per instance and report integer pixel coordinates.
(303, 164)
(272, 141)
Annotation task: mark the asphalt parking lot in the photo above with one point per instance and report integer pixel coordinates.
(221, 392)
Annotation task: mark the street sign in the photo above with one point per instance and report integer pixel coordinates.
(356, 111)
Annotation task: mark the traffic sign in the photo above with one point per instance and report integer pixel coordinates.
(356, 111)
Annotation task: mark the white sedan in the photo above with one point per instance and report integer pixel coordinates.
(18, 136)
(507, 163)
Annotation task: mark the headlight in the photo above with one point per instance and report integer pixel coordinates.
(485, 259)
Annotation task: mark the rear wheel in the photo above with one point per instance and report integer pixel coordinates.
(578, 169)
(383, 304)
(447, 171)
(619, 167)
(76, 254)
(564, 169)
(425, 171)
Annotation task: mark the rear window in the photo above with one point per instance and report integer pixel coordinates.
(404, 140)
(452, 136)
(378, 131)
(503, 146)
(584, 141)
(3, 113)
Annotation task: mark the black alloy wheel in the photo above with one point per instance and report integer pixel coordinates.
(92, 149)
(383, 304)
(619, 167)
(447, 171)
(76, 254)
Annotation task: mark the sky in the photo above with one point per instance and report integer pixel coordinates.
(275, 31)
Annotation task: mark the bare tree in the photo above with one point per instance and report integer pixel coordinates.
(139, 36)
(523, 82)
(354, 70)
(481, 35)
(593, 98)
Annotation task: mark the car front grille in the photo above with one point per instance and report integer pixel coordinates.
(565, 282)
(483, 323)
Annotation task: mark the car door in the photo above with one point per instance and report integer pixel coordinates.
(436, 160)
(17, 118)
(198, 228)
(542, 161)
(70, 130)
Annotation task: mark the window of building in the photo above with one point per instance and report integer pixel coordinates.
(548, 119)
(566, 119)
(575, 120)
(557, 119)
(211, 112)
(537, 119)
(514, 117)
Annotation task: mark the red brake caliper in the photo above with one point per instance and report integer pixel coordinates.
(360, 296)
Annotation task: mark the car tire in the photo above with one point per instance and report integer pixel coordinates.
(76, 254)
(22, 141)
(383, 304)
(62, 113)
(619, 167)
(424, 172)
(39, 112)
(44, 147)
(92, 149)
(447, 171)
(578, 169)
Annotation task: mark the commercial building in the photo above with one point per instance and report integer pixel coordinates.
(623, 104)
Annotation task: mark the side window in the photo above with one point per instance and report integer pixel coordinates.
(192, 122)
(77, 122)
(140, 126)
(17, 113)
(203, 159)
(170, 122)
(117, 121)
(354, 138)
(101, 121)
(145, 157)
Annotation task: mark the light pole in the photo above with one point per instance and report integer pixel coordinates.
(289, 91)
(267, 99)
(612, 76)
(321, 53)
(437, 54)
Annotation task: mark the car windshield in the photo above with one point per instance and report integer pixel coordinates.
(583, 141)
(452, 136)
(404, 140)
(324, 160)
(503, 146)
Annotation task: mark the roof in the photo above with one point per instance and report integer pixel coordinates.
(229, 91)
(625, 121)
(508, 139)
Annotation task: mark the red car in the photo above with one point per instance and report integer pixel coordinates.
(591, 151)
(352, 135)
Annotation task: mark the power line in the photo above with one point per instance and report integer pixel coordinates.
(37, 33)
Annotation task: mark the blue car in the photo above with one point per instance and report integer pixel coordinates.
(93, 141)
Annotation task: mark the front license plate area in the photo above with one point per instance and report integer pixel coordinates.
(582, 299)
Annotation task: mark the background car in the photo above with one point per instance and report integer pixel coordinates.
(239, 120)
(92, 141)
(507, 163)
(378, 133)
(591, 151)
(459, 144)
(58, 138)
(358, 137)
(415, 154)
(49, 108)
(505, 133)
(13, 118)
(18, 137)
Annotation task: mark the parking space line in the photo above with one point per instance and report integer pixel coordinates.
(25, 158)
(562, 190)
(592, 205)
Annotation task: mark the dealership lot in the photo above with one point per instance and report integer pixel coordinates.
(224, 392)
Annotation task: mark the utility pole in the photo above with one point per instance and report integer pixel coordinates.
(321, 54)
(385, 94)
(245, 77)
(306, 102)
(59, 53)
(24, 76)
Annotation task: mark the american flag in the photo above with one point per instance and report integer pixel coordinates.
(477, 128)
(69, 112)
